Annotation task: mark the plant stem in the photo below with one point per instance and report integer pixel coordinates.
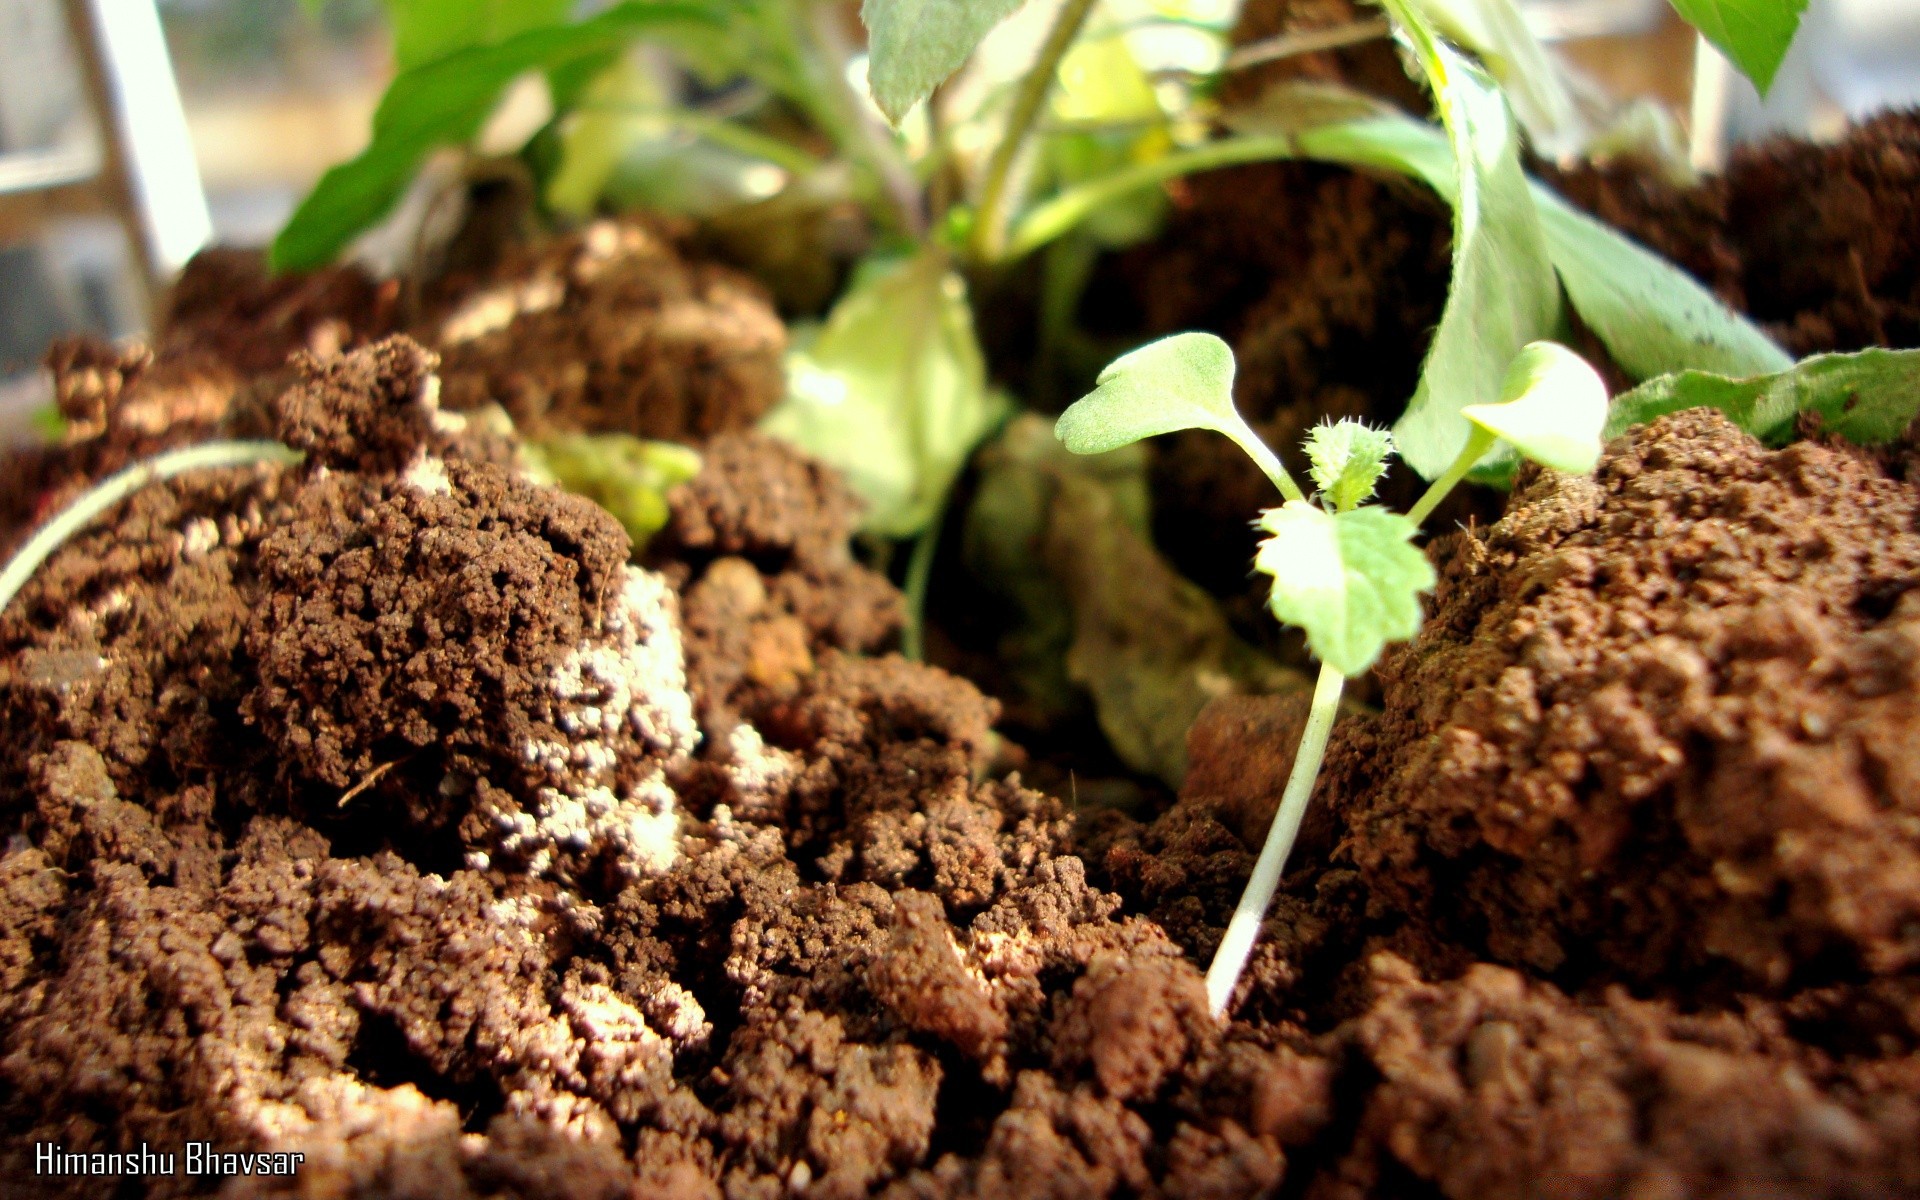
(1231, 959)
(913, 639)
(115, 488)
(990, 222)
(1264, 457)
(859, 128)
(1309, 41)
(1478, 443)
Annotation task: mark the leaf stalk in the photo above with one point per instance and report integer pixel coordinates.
(990, 225)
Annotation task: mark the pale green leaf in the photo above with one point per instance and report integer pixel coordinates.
(444, 103)
(1181, 382)
(1348, 458)
(1869, 397)
(1351, 580)
(1504, 293)
(425, 30)
(893, 392)
(1552, 407)
(626, 475)
(1753, 34)
(913, 45)
(1535, 82)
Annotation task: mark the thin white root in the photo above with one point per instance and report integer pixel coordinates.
(115, 488)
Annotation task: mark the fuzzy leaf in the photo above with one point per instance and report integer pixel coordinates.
(893, 392)
(1352, 580)
(1754, 34)
(1551, 408)
(1869, 397)
(1504, 293)
(1348, 458)
(1181, 382)
(913, 45)
(443, 103)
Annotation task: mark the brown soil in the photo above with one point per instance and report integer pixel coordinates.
(381, 810)
(609, 328)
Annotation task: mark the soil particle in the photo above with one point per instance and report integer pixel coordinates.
(1135, 1020)
(1661, 719)
(609, 329)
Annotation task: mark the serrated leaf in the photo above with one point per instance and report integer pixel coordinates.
(913, 45)
(444, 103)
(1351, 580)
(1552, 407)
(1348, 458)
(1753, 34)
(1869, 397)
(1504, 293)
(893, 392)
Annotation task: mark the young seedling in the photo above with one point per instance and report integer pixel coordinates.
(1345, 571)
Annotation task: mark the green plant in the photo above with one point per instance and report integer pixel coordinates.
(1344, 571)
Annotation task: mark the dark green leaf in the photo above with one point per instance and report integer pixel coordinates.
(1754, 34)
(444, 103)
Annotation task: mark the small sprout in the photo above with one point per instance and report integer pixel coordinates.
(1552, 408)
(1348, 458)
(1345, 572)
(626, 475)
(1351, 579)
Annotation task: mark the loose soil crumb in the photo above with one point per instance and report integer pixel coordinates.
(609, 329)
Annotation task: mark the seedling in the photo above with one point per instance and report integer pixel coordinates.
(1344, 571)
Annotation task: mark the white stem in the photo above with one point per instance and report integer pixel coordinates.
(1231, 959)
(118, 487)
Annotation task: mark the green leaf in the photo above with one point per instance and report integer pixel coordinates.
(444, 103)
(1352, 580)
(425, 30)
(626, 475)
(1504, 293)
(1552, 407)
(1535, 83)
(1348, 458)
(1754, 34)
(893, 392)
(1869, 397)
(1652, 316)
(913, 45)
(1181, 382)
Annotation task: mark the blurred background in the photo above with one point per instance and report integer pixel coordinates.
(272, 92)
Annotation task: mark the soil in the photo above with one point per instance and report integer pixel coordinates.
(382, 810)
